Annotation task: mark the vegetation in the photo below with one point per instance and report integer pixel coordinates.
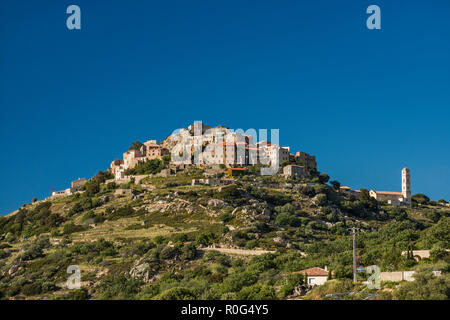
(153, 244)
(148, 167)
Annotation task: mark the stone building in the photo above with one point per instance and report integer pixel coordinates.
(306, 159)
(152, 150)
(396, 198)
(148, 151)
(131, 158)
(120, 173)
(116, 164)
(77, 185)
(293, 170)
(391, 197)
(269, 152)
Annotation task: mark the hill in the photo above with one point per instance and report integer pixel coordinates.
(164, 238)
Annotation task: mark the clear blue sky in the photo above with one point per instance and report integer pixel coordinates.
(365, 102)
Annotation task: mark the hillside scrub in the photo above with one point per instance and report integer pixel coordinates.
(151, 244)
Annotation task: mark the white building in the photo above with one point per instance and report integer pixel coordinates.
(316, 276)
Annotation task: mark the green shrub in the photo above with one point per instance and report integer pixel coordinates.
(31, 289)
(79, 294)
(179, 293)
(72, 227)
(225, 217)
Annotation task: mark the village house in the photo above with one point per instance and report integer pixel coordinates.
(152, 150)
(273, 152)
(76, 186)
(391, 197)
(148, 151)
(116, 164)
(61, 193)
(316, 276)
(131, 158)
(293, 170)
(306, 160)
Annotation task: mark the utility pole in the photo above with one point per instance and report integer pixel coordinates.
(355, 277)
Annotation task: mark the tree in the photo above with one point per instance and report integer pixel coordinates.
(364, 195)
(425, 287)
(438, 252)
(323, 178)
(420, 198)
(148, 167)
(135, 145)
(34, 199)
(92, 188)
(336, 184)
(398, 213)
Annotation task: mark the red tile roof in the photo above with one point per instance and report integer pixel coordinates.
(316, 271)
(388, 192)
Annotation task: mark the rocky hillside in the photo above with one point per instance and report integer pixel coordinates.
(166, 239)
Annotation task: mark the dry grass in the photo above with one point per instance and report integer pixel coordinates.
(112, 230)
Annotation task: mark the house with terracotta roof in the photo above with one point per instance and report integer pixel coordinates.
(152, 150)
(391, 197)
(316, 276)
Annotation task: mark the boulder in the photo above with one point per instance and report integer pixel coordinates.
(143, 271)
(217, 203)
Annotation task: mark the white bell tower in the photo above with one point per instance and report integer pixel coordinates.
(406, 186)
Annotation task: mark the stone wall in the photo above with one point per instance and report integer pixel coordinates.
(401, 275)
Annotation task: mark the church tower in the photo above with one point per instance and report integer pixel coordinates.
(406, 186)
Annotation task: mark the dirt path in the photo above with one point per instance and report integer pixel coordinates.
(239, 251)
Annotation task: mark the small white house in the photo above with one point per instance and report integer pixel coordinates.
(316, 276)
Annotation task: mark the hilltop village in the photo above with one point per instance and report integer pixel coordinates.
(197, 217)
(201, 146)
